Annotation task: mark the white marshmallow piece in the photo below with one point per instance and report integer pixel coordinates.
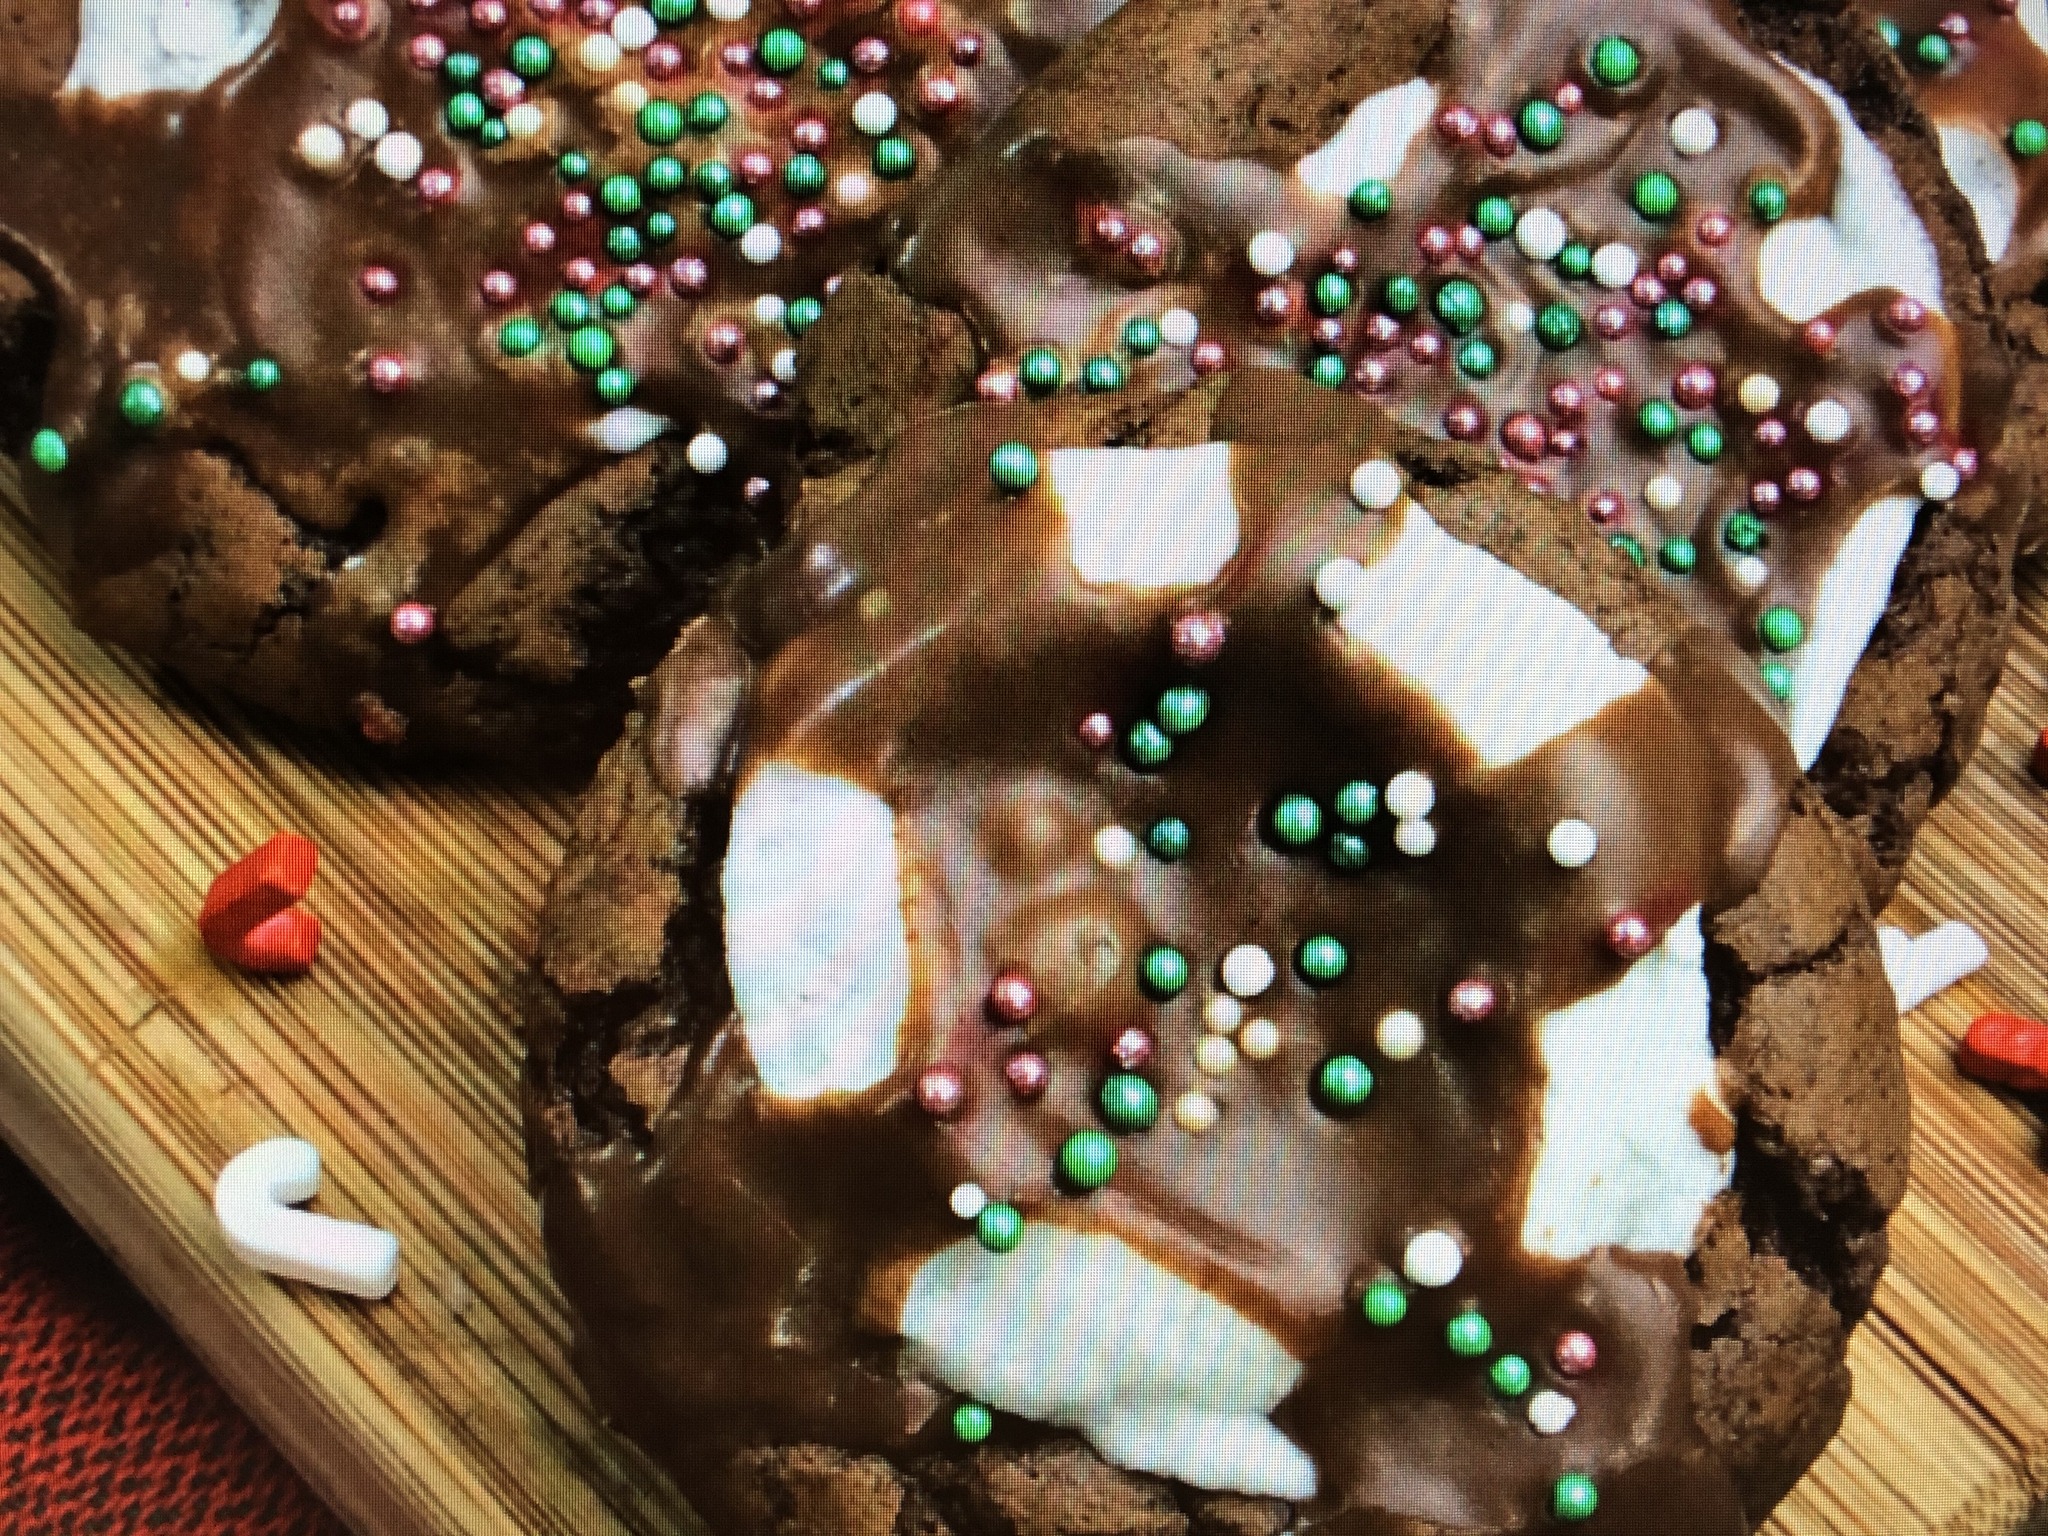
(628, 429)
(1147, 517)
(253, 1200)
(1373, 142)
(1935, 961)
(128, 47)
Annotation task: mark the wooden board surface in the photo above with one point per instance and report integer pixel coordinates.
(131, 1068)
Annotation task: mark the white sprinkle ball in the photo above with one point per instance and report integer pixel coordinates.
(1338, 581)
(634, 28)
(367, 118)
(1216, 1055)
(1540, 234)
(1573, 843)
(1116, 847)
(1758, 393)
(1551, 1413)
(1938, 482)
(855, 187)
(969, 1201)
(1222, 1013)
(600, 53)
(1432, 1259)
(1399, 1034)
(322, 148)
(1270, 253)
(761, 244)
(706, 453)
(1376, 485)
(193, 366)
(1415, 837)
(1178, 327)
(728, 10)
(1195, 1112)
(783, 365)
(1614, 265)
(1827, 421)
(1694, 132)
(1750, 572)
(1664, 492)
(525, 120)
(628, 429)
(770, 309)
(630, 96)
(1260, 1040)
(1248, 970)
(399, 156)
(1410, 793)
(1520, 317)
(875, 113)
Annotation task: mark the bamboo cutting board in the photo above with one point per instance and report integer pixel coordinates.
(132, 1068)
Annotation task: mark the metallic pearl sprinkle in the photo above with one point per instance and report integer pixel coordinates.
(1027, 1073)
(412, 623)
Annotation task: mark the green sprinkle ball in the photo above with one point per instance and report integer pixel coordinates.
(1768, 200)
(1703, 440)
(1559, 327)
(1332, 294)
(620, 196)
(712, 179)
(833, 74)
(1343, 1084)
(48, 451)
(1322, 959)
(661, 122)
(2029, 137)
(1678, 556)
(462, 70)
(1348, 851)
(1658, 420)
(1014, 467)
(1575, 260)
(570, 309)
(1128, 1102)
(1385, 1303)
(1469, 1334)
(1183, 709)
(142, 404)
(1087, 1160)
(665, 174)
(804, 175)
(1327, 371)
(1629, 545)
(1460, 305)
(1477, 359)
(1100, 375)
(1655, 196)
(1671, 319)
(1541, 125)
(895, 158)
(520, 337)
(531, 57)
(592, 348)
(1934, 52)
(661, 227)
(1296, 821)
(1372, 199)
(972, 1423)
(1615, 62)
(1743, 532)
(262, 375)
(781, 51)
(999, 1228)
(802, 314)
(465, 113)
(1163, 971)
(1401, 294)
(493, 133)
(1357, 803)
(1148, 746)
(1495, 217)
(1778, 678)
(707, 112)
(615, 386)
(1141, 336)
(733, 215)
(1780, 629)
(1040, 370)
(1573, 1497)
(573, 165)
(1510, 1375)
(672, 13)
(623, 243)
(1169, 838)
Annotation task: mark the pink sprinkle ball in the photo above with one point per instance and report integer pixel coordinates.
(1133, 1048)
(412, 623)
(1905, 315)
(577, 206)
(1605, 508)
(870, 55)
(597, 14)
(736, 58)
(1715, 228)
(1909, 381)
(1027, 1073)
(1771, 433)
(1426, 347)
(1695, 386)
(1464, 420)
(1472, 1001)
(1765, 497)
(765, 394)
(1274, 305)
(1567, 400)
(1922, 427)
(1198, 637)
(722, 341)
(1149, 252)
(810, 133)
(663, 60)
(1329, 333)
(1673, 267)
(1457, 122)
(1435, 242)
(1012, 998)
(1470, 241)
(539, 238)
(756, 490)
(938, 93)
(580, 273)
(427, 52)
(498, 286)
(1569, 97)
(1109, 228)
(1955, 26)
(967, 49)
(1965, 463)
(1629, 935)
(1567, 443)
(1647, 291)
(640, 279)
(941, 1092)
(1611, 322)
(1804, 484)
(503, 89)
(438, 186)
(349, 20)
(1096, 730)
(1373, 375)
(1500, 135)
(756, 166)
(1818, 337)
(388, 373)
(1381, 331)
(1609, 382)
(1575, 1353)
(917, 18)
(1208, 358)
(688, 275)
(1344, 259)
(766, 93)
(998, 386)
(378, 283)
(1524, 435)
(1702, 293)
(808, 222)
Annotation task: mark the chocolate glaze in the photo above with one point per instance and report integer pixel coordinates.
(172, 223)
(738, 1267)
(1025, 278)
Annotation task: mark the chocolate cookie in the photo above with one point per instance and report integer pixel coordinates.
(1694, 267)
(1230, 983)
(419, 366)
(1980, 71)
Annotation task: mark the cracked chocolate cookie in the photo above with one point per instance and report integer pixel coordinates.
(1694, 267)
(1170, 975)
(419, 366)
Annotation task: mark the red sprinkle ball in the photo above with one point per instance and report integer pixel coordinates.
(1027, 1073)
(1576, 1353)
(1198, 637)
(1096, 730)
(1472, 1001)
(1133, 1048)
(412, 623)
(941, 1092)
(1629, 935)
(1012, 998)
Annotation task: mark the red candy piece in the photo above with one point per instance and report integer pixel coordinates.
(2005, 1048)
(250, 918)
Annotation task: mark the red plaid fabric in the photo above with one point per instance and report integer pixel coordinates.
(108, 1427)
